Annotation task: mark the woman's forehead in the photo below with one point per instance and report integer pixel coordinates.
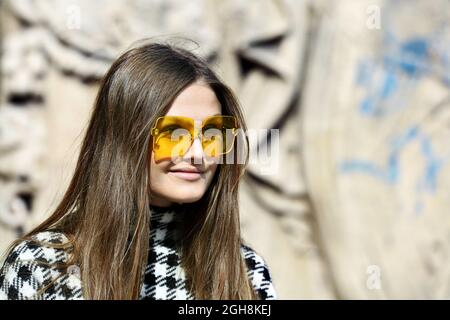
(197, 101)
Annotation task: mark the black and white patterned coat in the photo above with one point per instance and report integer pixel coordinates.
(28, 268)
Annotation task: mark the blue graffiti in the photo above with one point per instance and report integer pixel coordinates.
(412, 57)
(383, 87)
(389, 81)
(390, 172)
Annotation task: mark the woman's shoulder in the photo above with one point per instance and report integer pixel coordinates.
(40, 247)
(33, 264)
(259, 273)
(43, 246)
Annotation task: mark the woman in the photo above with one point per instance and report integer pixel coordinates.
(152, 209)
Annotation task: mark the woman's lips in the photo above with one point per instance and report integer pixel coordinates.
(190, 176)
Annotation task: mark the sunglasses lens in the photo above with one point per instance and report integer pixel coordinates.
(173, 137)
(218, 137)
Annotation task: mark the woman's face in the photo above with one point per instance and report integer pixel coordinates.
(197, 101)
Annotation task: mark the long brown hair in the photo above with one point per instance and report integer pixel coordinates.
(105, 211)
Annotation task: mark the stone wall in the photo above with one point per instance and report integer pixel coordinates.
(359, 91)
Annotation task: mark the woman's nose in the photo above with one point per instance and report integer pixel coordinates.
(195, 151)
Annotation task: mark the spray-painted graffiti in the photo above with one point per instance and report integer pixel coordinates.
(389, 82)
(390, 172)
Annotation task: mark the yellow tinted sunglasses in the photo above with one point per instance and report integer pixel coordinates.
(173, 135)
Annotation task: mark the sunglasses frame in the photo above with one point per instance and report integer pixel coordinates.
(154, 130)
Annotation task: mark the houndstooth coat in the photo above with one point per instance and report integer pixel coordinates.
(28, 268)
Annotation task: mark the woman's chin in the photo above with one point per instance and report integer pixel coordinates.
(187, 198)
(180, 194)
